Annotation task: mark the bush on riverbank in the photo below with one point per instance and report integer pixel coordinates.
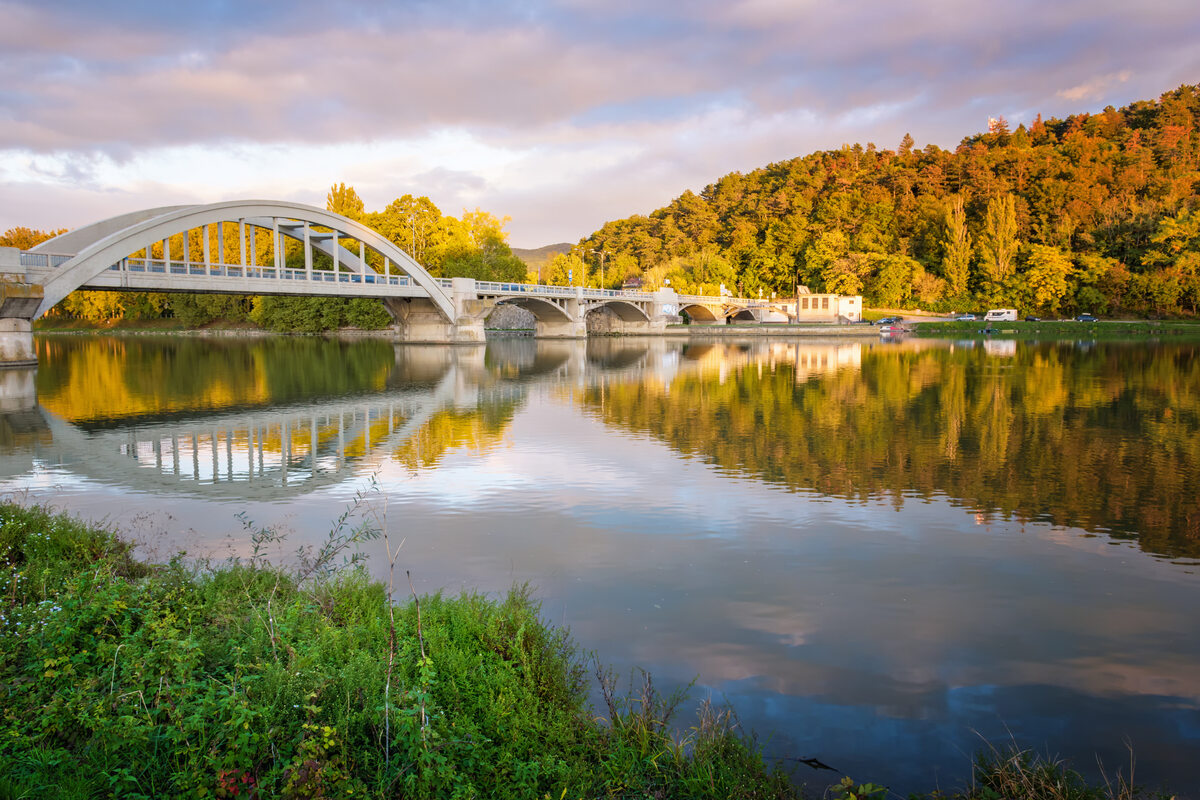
(125, 679)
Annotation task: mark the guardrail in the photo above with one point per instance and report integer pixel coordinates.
(158, 266)
(43, 260)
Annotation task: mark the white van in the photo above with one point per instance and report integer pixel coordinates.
(1001, 315)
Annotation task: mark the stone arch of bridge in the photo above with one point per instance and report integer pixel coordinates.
(97, 247)
(543, 309)
(625, 310)
(703, 313)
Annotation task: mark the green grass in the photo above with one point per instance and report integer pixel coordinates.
(1114, 330)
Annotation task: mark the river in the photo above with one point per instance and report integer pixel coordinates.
(884, 555)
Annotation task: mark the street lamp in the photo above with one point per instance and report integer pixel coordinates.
(602, 254)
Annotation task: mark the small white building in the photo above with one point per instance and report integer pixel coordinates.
(826, 308)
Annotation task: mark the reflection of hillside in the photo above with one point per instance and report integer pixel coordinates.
(480, 431)
(1105, 440)
(97, 378)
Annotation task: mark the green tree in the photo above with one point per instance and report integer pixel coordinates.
(956, 243)
(1047, 274)
(565, 269)
(998, 240)
(892, 280)
(342, 199)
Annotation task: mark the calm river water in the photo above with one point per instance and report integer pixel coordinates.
(884, 555)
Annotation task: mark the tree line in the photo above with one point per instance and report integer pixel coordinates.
(1095, 212)
(473, 246)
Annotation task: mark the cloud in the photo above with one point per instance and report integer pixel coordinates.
(1094, 89)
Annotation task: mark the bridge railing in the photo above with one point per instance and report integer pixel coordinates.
(743, 302)
(221, 270)
(495, 287)
(43, 260)
(162, 267)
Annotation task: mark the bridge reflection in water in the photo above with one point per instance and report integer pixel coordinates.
(269, 452)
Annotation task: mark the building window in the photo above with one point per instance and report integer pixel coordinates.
(825, 303)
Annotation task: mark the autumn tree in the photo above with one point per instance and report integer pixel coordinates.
(27, 238)
(342, 199)
(998, 239)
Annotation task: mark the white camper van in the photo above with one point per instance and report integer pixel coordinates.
(1001, 315)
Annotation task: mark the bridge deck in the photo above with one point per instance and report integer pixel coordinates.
(156, 274)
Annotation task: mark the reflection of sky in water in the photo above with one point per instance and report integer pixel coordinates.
(889, 638)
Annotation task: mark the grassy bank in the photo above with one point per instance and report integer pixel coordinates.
(125, 679)
(1107, 330)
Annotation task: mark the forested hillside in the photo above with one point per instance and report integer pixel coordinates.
(1095, 212)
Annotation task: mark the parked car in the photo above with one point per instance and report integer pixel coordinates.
(1033, 319)
(965, 318)
(887, 321)
(1085, 318)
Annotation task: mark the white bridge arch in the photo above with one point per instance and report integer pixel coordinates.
(86, 257)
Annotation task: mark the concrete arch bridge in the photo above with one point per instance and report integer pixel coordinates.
(216, 250)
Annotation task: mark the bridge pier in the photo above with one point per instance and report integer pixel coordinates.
(16, 343)
(575, 328)
(419, 320)
(19, 302)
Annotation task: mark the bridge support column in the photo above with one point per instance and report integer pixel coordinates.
(16, 343)
(19, 302)
(470, 310)
(419, 320)
(664, 311)
(574, 327)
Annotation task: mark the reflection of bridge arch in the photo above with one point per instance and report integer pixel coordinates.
(259, 454)
(83, 257)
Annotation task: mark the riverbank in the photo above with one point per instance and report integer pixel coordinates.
(128, 679)
(856, 331)
(1107, 330)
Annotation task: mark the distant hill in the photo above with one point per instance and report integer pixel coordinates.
(1098, 212)
(542, 255)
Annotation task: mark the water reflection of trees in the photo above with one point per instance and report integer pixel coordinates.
(1107, 439)
(102, 378)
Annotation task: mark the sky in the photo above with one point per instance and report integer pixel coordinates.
(561, 114)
